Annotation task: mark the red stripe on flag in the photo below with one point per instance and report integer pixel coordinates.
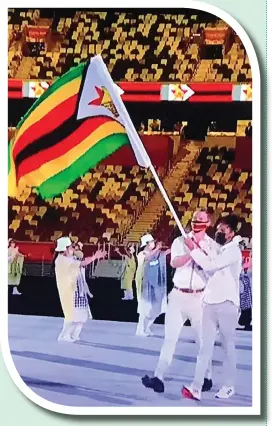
(65, 145)
(210, 98)
(140, 97)
(46, 124)
(15, 95)
(15, 84)
(211, 87)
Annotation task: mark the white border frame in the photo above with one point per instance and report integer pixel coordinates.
(196, 411)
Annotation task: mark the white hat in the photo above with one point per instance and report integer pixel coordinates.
(145, 239)
(63, 243)
(237, 239)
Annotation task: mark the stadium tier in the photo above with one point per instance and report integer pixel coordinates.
(123, 202)
(189, 46)
(197, 145)
(106, 200)
(214, 184)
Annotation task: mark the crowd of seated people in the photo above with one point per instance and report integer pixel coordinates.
(135, 47)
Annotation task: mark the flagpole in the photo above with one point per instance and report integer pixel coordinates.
(137, 145)
(167, 200)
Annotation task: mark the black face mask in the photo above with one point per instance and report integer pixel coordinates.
(220, 238)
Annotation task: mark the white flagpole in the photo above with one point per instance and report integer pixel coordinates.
(137, 145)
(167, 200)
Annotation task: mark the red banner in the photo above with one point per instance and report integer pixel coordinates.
(135, 91)
(38, 33)
(215, 35)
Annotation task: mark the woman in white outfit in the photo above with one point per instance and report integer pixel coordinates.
(150, 284)
(72, 288)
(15, 266)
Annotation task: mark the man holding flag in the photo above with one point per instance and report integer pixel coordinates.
(220, 306)
(185, 300)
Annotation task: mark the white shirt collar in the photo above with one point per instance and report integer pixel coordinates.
(206, 236)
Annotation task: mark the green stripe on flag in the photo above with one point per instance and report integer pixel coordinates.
(61, 181)
(72, 74)
(9, 157)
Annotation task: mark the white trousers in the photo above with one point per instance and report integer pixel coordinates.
(144, 323)
(71, 329)
(223, 315)
(180, 308)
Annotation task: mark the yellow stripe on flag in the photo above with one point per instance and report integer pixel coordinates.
(63, 93)
(51, 168)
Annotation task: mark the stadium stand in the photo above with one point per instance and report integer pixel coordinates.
(213, 184)
(106, 200)
(111, 198)
(150, 47)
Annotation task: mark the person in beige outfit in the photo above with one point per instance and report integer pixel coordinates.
(72, 288)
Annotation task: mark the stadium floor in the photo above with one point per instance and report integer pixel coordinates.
(106, 366)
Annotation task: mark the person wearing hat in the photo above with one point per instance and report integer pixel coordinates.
(220, 306)
(151, 284)
(128, 270)
(72, 288)
(185, 299)
(15, 266)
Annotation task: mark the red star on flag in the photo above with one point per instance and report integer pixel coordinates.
(178, 92)
(98, 101)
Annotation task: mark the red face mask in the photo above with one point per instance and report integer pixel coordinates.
(199, 226)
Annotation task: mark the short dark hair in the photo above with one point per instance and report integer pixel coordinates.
(231, 221)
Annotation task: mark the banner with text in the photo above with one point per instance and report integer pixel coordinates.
(37, 33)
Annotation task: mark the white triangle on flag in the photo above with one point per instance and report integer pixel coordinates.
(179, 92)
(95, 97)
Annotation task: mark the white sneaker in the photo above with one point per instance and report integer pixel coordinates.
(191, 393)
(225, 392)
(16, 292)
(141, 333)
(66, 339)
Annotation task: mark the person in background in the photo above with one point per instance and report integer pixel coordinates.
(155, 125)
(248, 130)
(142, 127)
(185, 299)
(151, 284)
(15, 266)
(178, 127)
(220, 306)
(128, 271)
(78, 253)
(184, 132)
(72, 288)
(212, 127)
(246, 296)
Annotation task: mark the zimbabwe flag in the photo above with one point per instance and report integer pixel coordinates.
(68, 130)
